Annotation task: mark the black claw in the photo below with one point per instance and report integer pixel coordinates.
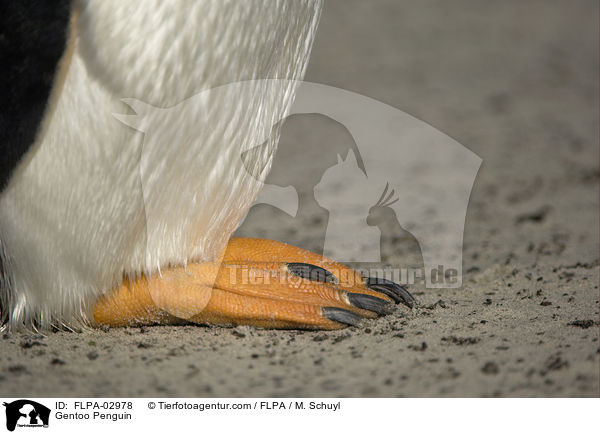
(391, 289)
(311, 272)
(364, 301)
(341, 315)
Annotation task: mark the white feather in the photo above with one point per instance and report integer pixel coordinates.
(73, 218)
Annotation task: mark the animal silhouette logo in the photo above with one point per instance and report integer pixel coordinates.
(429, 174)
(26, 413)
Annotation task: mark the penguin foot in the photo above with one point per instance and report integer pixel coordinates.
(262, 283)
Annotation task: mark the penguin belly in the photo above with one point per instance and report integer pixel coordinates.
(97, 226)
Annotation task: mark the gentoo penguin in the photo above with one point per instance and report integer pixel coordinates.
(77, 244)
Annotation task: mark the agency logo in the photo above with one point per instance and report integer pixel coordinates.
(25, 413)
(401, 172)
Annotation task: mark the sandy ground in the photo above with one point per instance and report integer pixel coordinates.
(517, 83)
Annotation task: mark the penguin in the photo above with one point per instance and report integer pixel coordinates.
(78, 247)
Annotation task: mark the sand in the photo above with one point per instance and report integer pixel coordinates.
(515, 82)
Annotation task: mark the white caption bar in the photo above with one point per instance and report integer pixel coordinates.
(292, 415)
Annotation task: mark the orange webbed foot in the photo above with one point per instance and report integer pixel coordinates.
(262, 283)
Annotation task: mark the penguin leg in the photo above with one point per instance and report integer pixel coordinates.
(261, 283)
